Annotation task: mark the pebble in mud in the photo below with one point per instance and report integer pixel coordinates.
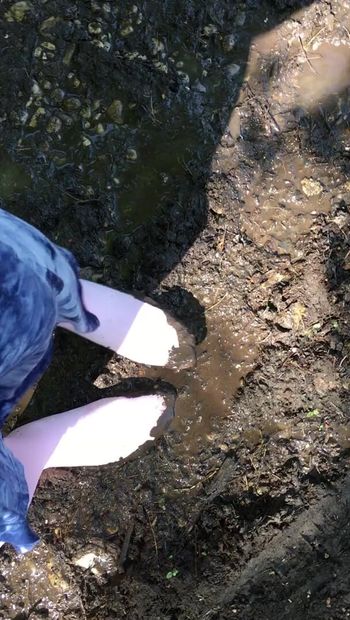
(100, 129)
(311, 187)
(94, 28)
(49, 46)
(72, 104)
(131, 154)
(18, 11)
(95, 560)
(54, 125)
(48, 24)
(34, 120)
(229, 42)
(115, 111)
(233, 70)
(85, 112)
(57, 95)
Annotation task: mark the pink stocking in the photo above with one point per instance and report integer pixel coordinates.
(135, 329)
(99, 433)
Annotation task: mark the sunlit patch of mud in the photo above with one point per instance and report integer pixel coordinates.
(281, 204)
(298, 69)
(327, 73)
(291, 73)
(37, 583)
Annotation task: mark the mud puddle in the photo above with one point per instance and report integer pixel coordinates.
(290, 74)
(283, 202)
(224, 358)
(325, 73)
(315, 59)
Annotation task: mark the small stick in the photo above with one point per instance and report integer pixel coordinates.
(217, 302)
(126, 543)
(153, 534)
(306, 56)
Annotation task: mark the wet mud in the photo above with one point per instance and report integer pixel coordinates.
(198, 154)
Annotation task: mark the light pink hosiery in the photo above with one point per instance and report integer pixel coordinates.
(99, 433)
(131, 328)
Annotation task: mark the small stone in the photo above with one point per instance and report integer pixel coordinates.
(49, 23)
(100, 129)
(72, 104)
(38, 52)
(54, 125)
(157, 46)
(86, 141)
(131, 155)
(49, 46)
(229, 42)
(162, 67)
(23, 116)
(66, 119)
(126, 30)
(184, 77)
(85, 112)
(341, 220)
(311, 187)
(284, 320)
(33, 121)
(36, 90)
(210, 30)
(115, 111)
(67, 58)
(233, 70)
(97, 561)
(199, 87)
(57, 95)
(18, 11)
(86, 561)
(94, 28)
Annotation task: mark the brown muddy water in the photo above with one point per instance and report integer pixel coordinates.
(205, 393)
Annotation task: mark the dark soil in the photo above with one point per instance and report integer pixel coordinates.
(217, 185)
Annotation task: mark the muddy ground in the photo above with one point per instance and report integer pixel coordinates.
(198, 153)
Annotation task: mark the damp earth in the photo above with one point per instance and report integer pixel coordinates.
(195, 153)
